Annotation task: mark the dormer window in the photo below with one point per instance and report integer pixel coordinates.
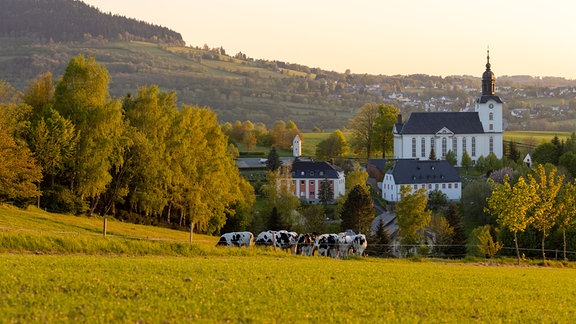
(311, 173)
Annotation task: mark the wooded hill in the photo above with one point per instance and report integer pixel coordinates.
(43, 35)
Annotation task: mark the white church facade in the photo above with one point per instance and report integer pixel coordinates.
(478, 132)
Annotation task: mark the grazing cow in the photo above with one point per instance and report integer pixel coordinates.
(236, 239)
(344, 244)
(305, 244)
(359, 244)
(282, 239)
(327, 245)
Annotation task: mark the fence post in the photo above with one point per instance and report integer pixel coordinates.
(105, 226)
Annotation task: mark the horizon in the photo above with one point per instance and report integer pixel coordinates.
(338, 35)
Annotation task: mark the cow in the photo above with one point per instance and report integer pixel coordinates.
(305, 244)
(344, 244)
(280, 239)
(236, 239)
(327, 245)
(359, 244)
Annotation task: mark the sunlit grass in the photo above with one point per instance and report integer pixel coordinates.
(272, 289)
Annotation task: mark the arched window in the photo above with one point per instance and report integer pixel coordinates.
(444, 146)
(491, 116)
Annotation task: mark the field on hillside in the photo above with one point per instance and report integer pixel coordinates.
(269, 289)
(534, 137)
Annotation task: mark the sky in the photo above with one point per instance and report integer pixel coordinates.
(388, 37)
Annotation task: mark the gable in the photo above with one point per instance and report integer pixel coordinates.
(431, 123)
(444, 131)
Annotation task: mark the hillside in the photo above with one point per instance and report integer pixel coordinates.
(238, 87)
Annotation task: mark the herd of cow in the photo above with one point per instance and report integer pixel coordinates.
(333, 245)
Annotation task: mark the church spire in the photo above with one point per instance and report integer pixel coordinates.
(488, 83)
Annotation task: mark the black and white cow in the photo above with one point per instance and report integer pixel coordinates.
(282, 239)
(359, 244)
(344, 244)
(305, 244)
(327, 245)
(236, 239)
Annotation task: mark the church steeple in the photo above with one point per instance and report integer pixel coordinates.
(488, 80)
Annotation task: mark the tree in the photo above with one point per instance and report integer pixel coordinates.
(568, 161)
(437, 201)
(545, 153)
(481, 242)
(466, 160)
(82, 97)
(379, 242)
(357, 177)
(511, 205)
(513, 153)
(312, 218)
(443, 233)
(545, 211)
(567, 210)
(19, 173)
(273, 162)
(362, 127)
(454, 218)
(358, 211)
(326, 193)
(451, 158)
(432, 155)
(383, 125)
(278, 193)
(335, 146)
(474, 203)
(411, 215)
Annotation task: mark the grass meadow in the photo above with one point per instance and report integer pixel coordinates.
(60, 268)
(282, 288)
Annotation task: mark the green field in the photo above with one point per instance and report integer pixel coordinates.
(270, 289)
(59, 268)
(534, 137)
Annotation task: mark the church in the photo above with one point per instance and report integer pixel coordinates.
(478, 132)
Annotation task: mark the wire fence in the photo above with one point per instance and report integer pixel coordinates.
(392, 250)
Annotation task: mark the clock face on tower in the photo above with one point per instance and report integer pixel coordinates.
(491, 106)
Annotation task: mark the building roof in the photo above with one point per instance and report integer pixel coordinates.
(485, 98)
(432, 122)
(313, 170)
(420, 171)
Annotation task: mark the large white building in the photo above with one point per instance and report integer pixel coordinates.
(479, 132)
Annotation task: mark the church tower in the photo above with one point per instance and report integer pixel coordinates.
(489, 109)
(296, 146)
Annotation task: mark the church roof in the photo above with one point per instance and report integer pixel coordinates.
(423, 171)
(432, 122)
(312, 170)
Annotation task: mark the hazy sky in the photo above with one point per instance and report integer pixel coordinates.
(445, 37)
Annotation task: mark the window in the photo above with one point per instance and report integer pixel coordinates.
(302, 173)
(423, 147)
(444, 146)
(443, 186)
(449, 186)
(464, 145)
(311, 173)
(491, 144)
(311, 182)
(311, 193)
(414, 147)
(303, 182)
(432, 146)
(436, 186)
(491, 127)
(415, 187)
(473, 146)
(455, 146)
(456, 186)
(321, 173)
(491, 116)
(429, 186)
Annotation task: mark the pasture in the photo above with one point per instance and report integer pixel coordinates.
(279, 288)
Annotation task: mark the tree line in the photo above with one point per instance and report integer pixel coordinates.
(142, 158)
(68, 20)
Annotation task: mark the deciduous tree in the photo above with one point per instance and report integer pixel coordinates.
(362, 126)
(511, 205)
(411, 215)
